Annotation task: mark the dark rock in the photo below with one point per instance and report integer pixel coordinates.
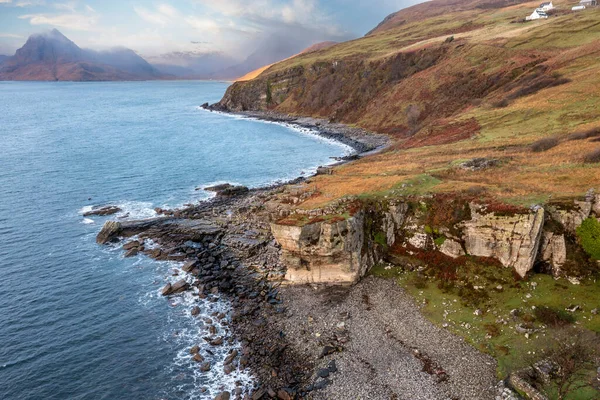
(324, 171)
(218, 188)
(195, 311)
(204, 106)
(167, 289)
(332, 367)
(216, 342)
(228, 369)
(102, 211)
(323, 373)
(322, 384)
(231, 357)
(223, 396)
(195, 350)
(198, 358)
(478, 164)
(233, 191)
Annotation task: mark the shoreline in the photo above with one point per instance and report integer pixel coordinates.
(236, 257)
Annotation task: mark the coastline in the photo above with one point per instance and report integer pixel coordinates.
(301, 341)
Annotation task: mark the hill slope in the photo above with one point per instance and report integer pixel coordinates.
(53, 57)
(452, 81)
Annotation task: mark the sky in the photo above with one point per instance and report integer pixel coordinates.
(152, 28)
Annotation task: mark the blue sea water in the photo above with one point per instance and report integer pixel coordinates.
(79, 321)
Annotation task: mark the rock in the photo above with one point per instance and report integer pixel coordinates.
(198, 358)
(283, 395)
(205, 366)
(595, 311)
(514, 240)
(327, 350)
(189, 266)
(204, 106)
(323, 373)
(132, 253)
(195, 311)
(167, 289)
(216, 342)
(108, 232)
(325, 251)
(228, 369)
(131, 245)
(231, 357)
(452, 248)
(102, 211)
(324, 171)
(218, 188)
(175, 288)
(259, 394)
(223, 396)
(478, 164)
(553, 251)
(571, 215)
(332, 367)
(195, 350)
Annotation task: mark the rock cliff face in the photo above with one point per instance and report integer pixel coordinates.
(343, 251)
(513, 240)
(334, 252)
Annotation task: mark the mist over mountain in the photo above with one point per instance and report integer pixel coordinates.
(198, 65)
(52, 56)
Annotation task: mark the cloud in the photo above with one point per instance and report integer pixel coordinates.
(74, 21)
(162, 15)
(10, 36)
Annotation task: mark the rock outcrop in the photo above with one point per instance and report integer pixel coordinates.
(108, 232)
(571, 214)
(553, 251)
(332, 252)
(513, 240)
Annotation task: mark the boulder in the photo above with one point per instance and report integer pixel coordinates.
(108, 232)
(324, 171)
(233, 191)
(553, 250)
(189, 266)
(131, 245)
(514, 240)
(452, 248)
(175, 288)
(102, 211)
(570, 214)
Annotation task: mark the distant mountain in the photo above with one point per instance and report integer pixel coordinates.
(192, 65)
(53, 57)
(3, 58)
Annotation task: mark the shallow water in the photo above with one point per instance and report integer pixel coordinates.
(77, 320)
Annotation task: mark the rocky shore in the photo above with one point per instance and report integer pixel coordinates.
(316, 341)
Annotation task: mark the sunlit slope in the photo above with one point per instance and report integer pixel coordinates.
(451, 87)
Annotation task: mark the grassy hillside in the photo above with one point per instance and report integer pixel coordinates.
(449, 84)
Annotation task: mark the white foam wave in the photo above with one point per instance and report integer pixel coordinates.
(133, 210)
(87, 221)
(85, 209)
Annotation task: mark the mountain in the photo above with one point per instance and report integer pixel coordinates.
(454, 80)
(53, 57)
(3, 58)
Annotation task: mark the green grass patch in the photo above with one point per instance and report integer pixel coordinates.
(589, 235)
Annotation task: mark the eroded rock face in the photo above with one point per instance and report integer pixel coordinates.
(513, 240)
(393, 221)
(553, 250)
(325, 251)
(571, 217)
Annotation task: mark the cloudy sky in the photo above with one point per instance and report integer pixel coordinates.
(235, 27)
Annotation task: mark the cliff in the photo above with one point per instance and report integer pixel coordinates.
(435, 231)
(452, 82)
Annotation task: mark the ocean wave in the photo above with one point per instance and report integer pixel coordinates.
(87, 221)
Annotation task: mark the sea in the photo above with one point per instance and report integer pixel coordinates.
(78, 320)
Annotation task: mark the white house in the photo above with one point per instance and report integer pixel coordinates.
(547, 6)
(537, 14)
(588, 3)
(578, 8)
